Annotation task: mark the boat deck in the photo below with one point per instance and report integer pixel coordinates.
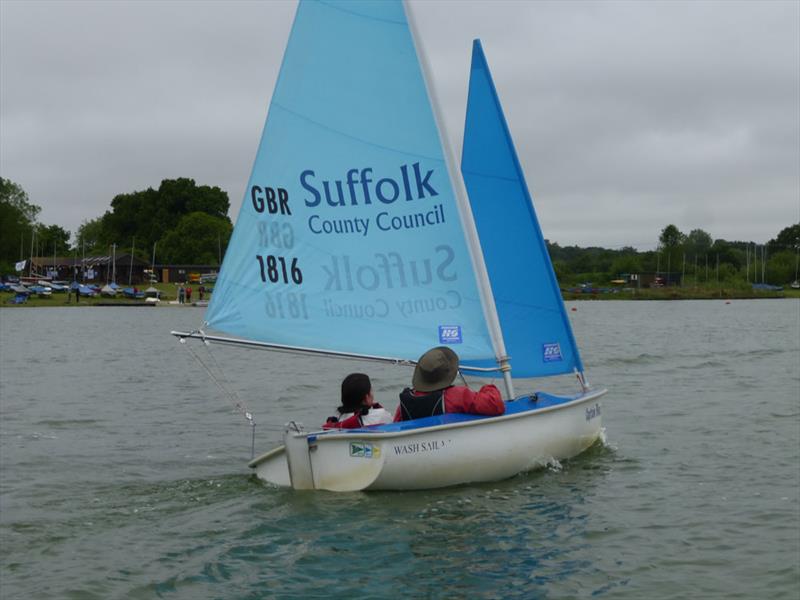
(538, 401)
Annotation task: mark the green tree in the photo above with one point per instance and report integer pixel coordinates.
(52, 238)
(649, 261)
(698, 243)
(727, 254)
(17, 221)
(15, 196)
(671, 237)
(150, 215)
(782, 267)
(672, 240)
(92, 236)
(787, 239)
(196, 240)
(13, 226)
(625, 264)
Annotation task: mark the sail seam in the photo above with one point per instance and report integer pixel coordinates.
(412, 154)
(358, 14)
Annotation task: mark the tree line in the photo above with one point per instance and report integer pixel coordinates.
(180, 222)
(693, 258)
(189, 224)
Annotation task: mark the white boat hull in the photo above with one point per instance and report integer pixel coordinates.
(473, 449)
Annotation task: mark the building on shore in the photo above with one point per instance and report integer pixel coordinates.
(168, 273)
(122, 269)
(652, 280)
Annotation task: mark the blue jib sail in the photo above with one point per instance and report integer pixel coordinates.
(536, 330)
(349, 237)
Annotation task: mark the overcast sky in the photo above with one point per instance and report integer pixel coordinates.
(627, 116)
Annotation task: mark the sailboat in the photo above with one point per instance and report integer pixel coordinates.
(359, 237)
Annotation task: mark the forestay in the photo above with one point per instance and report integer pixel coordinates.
(535, 326)
(349, 237)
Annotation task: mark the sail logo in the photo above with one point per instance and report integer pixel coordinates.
(450, 334)
(365, 450)
(551, 352)
(360, 187)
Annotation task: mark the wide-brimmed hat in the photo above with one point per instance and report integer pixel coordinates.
(435, 370)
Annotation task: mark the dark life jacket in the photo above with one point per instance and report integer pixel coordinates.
(418, 407)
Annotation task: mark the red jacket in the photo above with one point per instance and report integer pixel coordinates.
(460, 399)
(356, 420)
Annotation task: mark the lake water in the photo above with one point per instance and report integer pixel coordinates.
(123, 469)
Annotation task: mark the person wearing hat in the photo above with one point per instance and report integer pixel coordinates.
(358, 408)
(433, 392)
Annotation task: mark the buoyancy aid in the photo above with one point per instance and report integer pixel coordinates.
(375, 415)
(413, 406)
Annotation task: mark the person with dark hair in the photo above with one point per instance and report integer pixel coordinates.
(358, 408)
(433, 392)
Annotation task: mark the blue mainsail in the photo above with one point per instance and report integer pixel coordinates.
(538, 337)
(349, 237)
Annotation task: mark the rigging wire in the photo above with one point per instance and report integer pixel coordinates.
(220, 381)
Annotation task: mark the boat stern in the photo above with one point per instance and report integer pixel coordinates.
(348, 462)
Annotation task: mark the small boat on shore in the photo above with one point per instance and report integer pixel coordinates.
(41, 290)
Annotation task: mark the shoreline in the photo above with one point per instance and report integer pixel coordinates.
(676, 294)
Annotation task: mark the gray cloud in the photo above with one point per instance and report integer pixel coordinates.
(627, 116)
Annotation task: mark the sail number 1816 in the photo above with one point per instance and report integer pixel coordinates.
(277, 269)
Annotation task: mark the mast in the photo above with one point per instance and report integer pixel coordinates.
(30, 266)
(747, 269)
(130, 268)
(465, 212)
(683, 270)
(796, 262)
(153, 264)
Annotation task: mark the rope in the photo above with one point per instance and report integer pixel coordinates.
(466, 383)
(463, 379)
(233, 397)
